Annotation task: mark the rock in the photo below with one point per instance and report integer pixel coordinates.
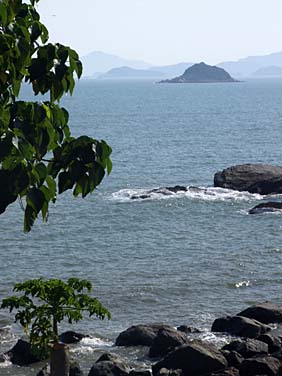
(165, 341)
(195, 358)
(274, 342)
(264, 312)
(136, 372)
(267, 365)
(232, 371)
(165, 191)
(188, 329)
(109, 368)
(70, 337)
(254, 178)
(266, 207)
(202, 73)
(239, 326)
(139, 335)
(170, 372)
(247, 348)
(21, 354)
(233, 358)
(109, 357)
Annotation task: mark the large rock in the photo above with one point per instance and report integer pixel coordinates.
(267, 365)
(274, 342)
(21, 354)
(264, 312)
(267, 207)
(71, 337)
(233, 358)
(195, 358)
(165, 341)
(109, 368)
(239, 326)
(247, 348)
(139, 335)
(231, 371)
(254, 178)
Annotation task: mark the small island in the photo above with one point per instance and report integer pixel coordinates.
(202, 73)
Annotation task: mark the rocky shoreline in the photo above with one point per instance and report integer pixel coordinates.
(253, 349)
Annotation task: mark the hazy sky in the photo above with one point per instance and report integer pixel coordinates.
(167, 31)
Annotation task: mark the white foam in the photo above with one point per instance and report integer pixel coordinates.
(197, 193)
(91, 344)
(242, 284)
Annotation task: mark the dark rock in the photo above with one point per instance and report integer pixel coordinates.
(264, 312)
(239, 326)
(233, 358)
(254, 178)
(274, 342)
(266, 207)
(170, 372)
(142, 335)
(188, 329)
(75, 369)
(195, 358)
(109, 368)
(267, 365)
(165, 341)
(247, 348)
(232, 371)
(21, 354)
(202, 73)
(136, 372)
(70, 337)
(165, 191)
(109, 357)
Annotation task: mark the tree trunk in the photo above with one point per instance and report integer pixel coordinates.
(60, 363)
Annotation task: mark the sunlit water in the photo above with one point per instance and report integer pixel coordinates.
(181, 259)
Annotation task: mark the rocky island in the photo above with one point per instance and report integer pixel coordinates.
(202, 73)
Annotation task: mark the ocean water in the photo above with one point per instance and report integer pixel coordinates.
(181, 259)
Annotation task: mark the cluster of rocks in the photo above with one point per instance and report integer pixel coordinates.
(263, 179)
(254, 350)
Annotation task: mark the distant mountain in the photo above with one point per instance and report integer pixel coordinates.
(247, 66)
(174, 70)
(102, 62)
(130, 73)
(272, 71)
(202, 73)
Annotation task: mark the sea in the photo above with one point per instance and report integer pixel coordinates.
(184, 258)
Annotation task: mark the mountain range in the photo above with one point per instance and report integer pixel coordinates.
(103, 65)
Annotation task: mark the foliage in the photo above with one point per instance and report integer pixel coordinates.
(38, 155)
(43, 304)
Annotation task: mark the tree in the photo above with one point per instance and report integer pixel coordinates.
(43, 304)
(38, 156)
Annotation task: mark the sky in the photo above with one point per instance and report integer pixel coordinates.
(167, 31)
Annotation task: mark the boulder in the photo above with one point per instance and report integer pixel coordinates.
(239, 326)
(233, 358)
(247, 348)
(264, 312)
(140, 372)
(266, 207)
(254, 178)
(109, 357)
(266, 365)
(170, 372)
(109, 368)
(231, 371)
(188, 329)
(195, 358)
(165, 341)
(71, 337)
(139, 335)
(274, 342)
(21, 354)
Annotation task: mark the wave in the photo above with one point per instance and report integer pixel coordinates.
(92, 344)
(191, 192)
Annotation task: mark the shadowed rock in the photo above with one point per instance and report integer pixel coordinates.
(239, 326)
(264, 312)
(247, 348)
(139, 335)
(254, 178)
(165, 341)
(267, 365)
(195, 358)
(266, 207)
